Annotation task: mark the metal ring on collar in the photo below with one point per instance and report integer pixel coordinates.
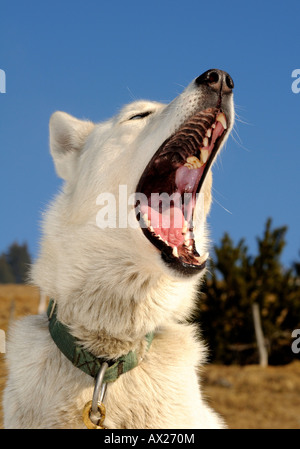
(99, 393)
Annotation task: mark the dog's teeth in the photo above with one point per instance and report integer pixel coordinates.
(146, 220)
(204, 155)
(188, 236)
(175, 251)
(166, 242)
(151, 229)
(188, 242)
(208, 133)
(188, 165)
(213, 125)
(222, 119)
(205, 142)
(184, 229)
(202, 259)
(194, 162)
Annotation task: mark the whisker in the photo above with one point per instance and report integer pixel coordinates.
(219, 193)
(180, 85)
(240, 120)
(239, 141)
(131, 93)
(221, 205)
(238, 117)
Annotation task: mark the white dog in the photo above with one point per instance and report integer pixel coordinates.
(123, 275)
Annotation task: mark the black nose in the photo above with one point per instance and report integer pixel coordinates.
(217, 80)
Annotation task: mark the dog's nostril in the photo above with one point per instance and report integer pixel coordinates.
(212, 77)
(217, 80)
(229, 81)
(209, 77)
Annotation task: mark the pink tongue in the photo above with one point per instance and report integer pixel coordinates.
(168, 224)
(186, 179)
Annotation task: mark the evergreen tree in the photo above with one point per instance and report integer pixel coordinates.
(234, 282)
(225, 310)
(17, 264)
(273, 291)
(6, 274)
(296, 268)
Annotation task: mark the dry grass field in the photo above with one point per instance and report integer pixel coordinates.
(247, 397)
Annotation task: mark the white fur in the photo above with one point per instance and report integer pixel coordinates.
(111, 287)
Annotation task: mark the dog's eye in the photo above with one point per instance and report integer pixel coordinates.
(141, 115)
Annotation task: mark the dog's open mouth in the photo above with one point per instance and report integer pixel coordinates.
(167, 191)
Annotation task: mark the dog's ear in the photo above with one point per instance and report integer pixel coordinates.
(67, 138)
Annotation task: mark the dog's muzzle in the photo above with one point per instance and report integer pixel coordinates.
(168, 188)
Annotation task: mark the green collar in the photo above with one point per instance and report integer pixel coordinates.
(83, 359)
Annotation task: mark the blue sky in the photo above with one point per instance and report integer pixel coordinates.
(90, 58)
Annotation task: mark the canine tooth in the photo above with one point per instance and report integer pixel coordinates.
(151, 229)
(202, 259)
(188, 165)
(204, 155)
(184, 228)
(208, 133)
(222, 119)
(166, 242)
(175, 251)
(205, 142)
(213, 126)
